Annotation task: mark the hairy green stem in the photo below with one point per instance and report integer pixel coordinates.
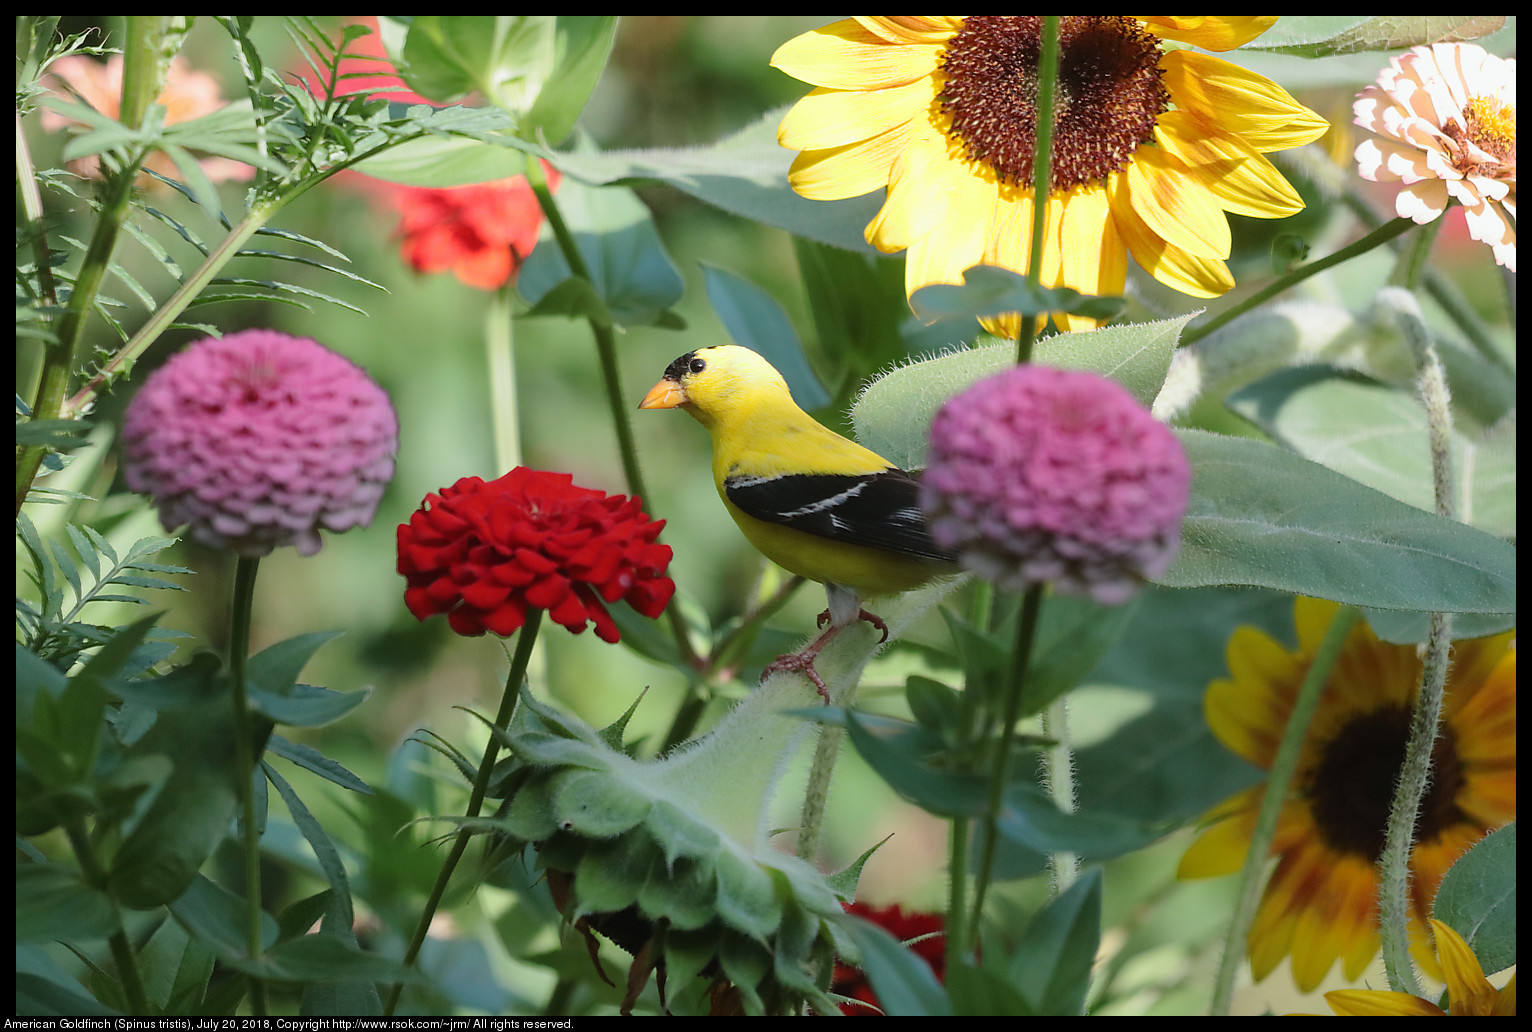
(525, 639)
(1059, 769)
(1394, 896)
(1278, 780)
(1000, 768)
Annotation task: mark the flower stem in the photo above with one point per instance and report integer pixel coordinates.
(606, 350)
(244, 765)
(1026, 634)
(523, 655)
(1042, 165)
(1059, 767)
(1283, 766)
(1394, 897)
(122, 950)
(1382, 235)
(500, 360)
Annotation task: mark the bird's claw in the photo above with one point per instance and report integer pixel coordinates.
(798, 663)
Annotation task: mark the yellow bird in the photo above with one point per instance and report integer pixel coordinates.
(813, 502)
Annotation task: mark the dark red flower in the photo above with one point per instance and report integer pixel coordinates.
(483, 232)
(850, 981)
(484, 553)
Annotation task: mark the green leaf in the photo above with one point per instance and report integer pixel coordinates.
(275, 669)
(893, 415)
(190, 815)
(311, 759)
(898, 751)
(746, 900)
(622, 251)
(903, 983)
(1051, 966)
(325, 958)
(581, 46)
(1030, 818)
(991, 290)
(1262, 516)
(1324, 35)
(216, 918)
(1377, 435)
(744, 174)
(307, 706)
(508, 58)
(1478, 899)
(53, 902)
(756, 321)
(176, 968)
(597, 804)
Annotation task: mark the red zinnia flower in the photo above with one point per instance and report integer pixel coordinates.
(483, 553)
(850, 981)
(483, 232)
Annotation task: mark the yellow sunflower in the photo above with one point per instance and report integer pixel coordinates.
(1321, 902)
(1150, 146)
(1469, 993)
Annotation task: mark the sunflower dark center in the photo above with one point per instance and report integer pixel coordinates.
(1353, 785)
(1108, 95)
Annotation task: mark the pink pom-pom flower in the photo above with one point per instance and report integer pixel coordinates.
(258, 440)
(1040, 474)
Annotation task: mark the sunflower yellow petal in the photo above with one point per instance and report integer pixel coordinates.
(1093, 259)
(911, 28)
(1240, 178)
(1471, 993)
(1366, 1003)
(920, 184)
(1232, 99)
(955, 243)
(850, 171)
(1208, 31)
(845, 56)
(1199, 277)
(1312, 618)
(1176, 205)
(833, 118)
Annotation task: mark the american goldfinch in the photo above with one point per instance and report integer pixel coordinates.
(812, 501)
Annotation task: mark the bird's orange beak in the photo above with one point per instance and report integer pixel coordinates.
(665, 394)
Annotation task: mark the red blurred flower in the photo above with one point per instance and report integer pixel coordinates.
(850, 981)
(482, 232)
(483, 553)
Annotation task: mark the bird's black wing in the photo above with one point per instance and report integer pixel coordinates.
(877, 510)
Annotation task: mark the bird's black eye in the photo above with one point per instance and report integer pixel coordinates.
(696, 366)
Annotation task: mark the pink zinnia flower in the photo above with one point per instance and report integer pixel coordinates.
(260, 440)
(1040, 474)
(1445, 119)
(484, 553)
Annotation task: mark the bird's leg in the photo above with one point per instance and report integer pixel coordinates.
(803, 663)
(845, 610)
(872, 618)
